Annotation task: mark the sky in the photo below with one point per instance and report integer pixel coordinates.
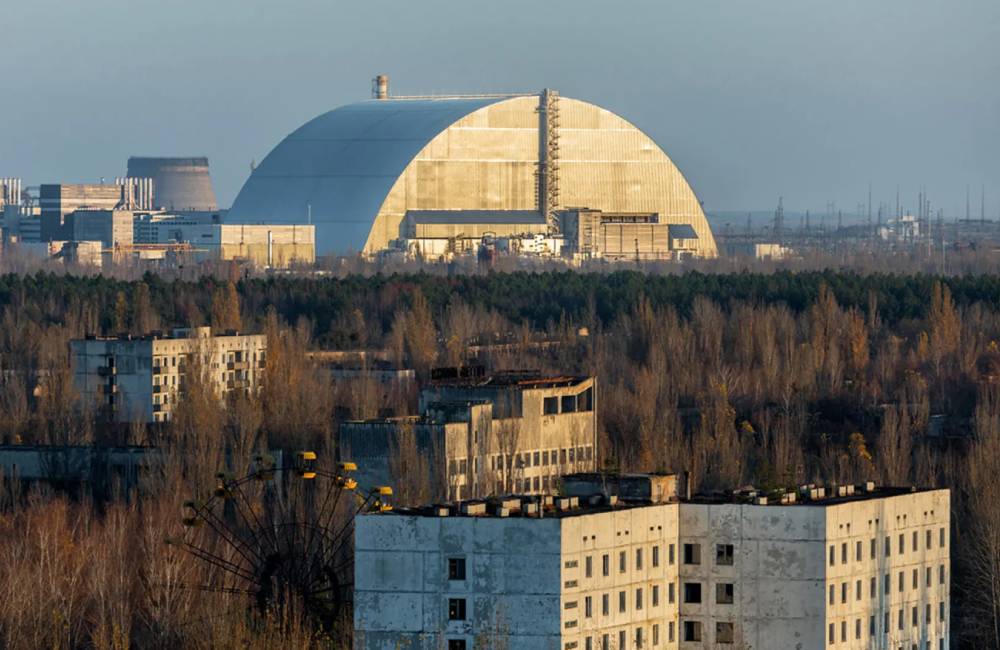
(809, 99)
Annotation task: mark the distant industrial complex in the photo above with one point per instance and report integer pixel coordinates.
(433, 177)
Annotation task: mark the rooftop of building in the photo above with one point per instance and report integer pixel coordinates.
(477, 376)
(624, 491)
(178, 333)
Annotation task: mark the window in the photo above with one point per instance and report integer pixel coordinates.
(456, 644)
(692, 592)
(456, 568)
(871, 588)
(843, 631)
(638, 599)
(724, 554)
(724, 593)
(887, 583)
(550, 406)
(692, 631)
(843, 553)
(622, 562)
(536, 458)
(930, 539)
(605, 642)
(656, 595)
(871, 625)
(872, 550)
(833, 594)
(670, 593)
(857, 628)
(857, 551)
(941, 538)
(941, 611)
(656, 555)
(916, 539)
(588, 643)
(914, 617)
(605, 565)
(621, 639)
(832, 633)
(888, 546)
(857, 590)
(569, 404)
(692, 554)
(902, 543)
(638, 637)
(545, 457)
(927, 577)
(605, 605)
(638, 559)
(723, 632)
(916, 579)
(843, 592)
(902, 582)
(656, 634)
(941, 574)
(621, 601)
(833, 555)
(588, 607)
(456, 609)
(902, 620)
(588, 564)
(670, 631)
(562, 456)
(670, 555)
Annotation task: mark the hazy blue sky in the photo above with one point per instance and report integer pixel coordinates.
(806, 98)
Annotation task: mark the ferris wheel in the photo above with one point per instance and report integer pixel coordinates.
(282, 535)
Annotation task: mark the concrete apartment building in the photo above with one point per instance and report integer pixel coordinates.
(495, 434)
(140, 379)
(632, 562)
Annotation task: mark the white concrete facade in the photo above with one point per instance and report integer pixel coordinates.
(679, 575)
(141, 379)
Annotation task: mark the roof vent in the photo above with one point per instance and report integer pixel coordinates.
(870, 486)
(473, 508)
(531, 508)
(441, 511)
(380, 87)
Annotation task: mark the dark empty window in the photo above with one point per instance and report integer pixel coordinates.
(724, 554)
(692, 554)
(692, 631)
(692, 592)
(550, 406)
(456, 609)
(723, 632)
(456, 644)
(569, 404)
(456, 568)
(724, 593)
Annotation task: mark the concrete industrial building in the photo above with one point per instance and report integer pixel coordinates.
(179, 184)
(139, 379)
(113, 228)
(59, 200)
(487, 434)
(264, 245)
(633, 562)
(399, 172)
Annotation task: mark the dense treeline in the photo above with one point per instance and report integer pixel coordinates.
(537, 299)
(774, 380)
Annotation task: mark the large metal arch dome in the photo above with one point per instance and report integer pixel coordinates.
(355, 171)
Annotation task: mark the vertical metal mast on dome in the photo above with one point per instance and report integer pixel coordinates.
(548, 158)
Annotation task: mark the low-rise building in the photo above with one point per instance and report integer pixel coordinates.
(266, 245)
(633, 562)
(486, 434)
(142, 378)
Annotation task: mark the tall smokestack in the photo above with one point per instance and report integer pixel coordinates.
(380, 87)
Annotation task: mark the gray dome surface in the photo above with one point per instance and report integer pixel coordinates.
(342, 165)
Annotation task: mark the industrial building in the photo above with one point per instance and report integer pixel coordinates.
(429, 174)
(179, 184)
(264, 245)
(112, 228)
(635, 562)
(486, 434)
(130, 379)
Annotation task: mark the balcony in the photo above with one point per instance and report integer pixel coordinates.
(238, 365)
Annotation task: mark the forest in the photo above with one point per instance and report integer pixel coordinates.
(746, 378)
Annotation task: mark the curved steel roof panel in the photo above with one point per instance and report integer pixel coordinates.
(342, 165)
